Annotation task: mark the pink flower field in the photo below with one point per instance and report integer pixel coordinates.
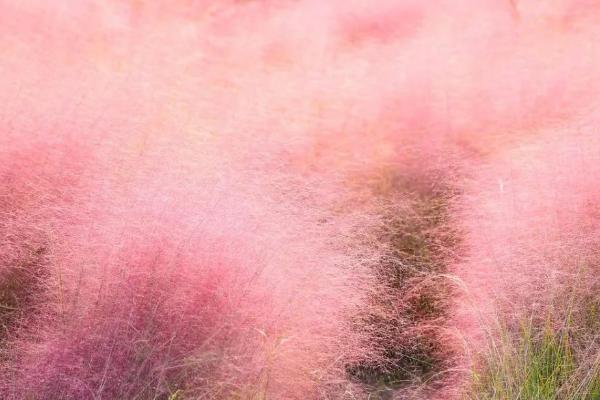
(299, 200)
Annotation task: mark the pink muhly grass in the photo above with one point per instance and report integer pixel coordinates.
(151, 290)
(160, 322)
(38, 180)
(531, 219)
(182, 203)
(531, 270)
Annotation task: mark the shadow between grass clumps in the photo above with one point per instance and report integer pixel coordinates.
(408, 308)
(21, 289)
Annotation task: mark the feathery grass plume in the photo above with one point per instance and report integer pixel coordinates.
(532, 270)
(38, 180)
(158, 290)
(159, 321)
(219, 138)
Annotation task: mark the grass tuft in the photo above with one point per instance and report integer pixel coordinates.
(553, 360)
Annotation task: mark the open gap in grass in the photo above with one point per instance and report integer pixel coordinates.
(408, 308)
(22, 288)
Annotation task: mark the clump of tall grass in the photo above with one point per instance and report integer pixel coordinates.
(557, 359)
(37, 179)
(151, 290)
(534, 272)
(531, 271)
(158, 324)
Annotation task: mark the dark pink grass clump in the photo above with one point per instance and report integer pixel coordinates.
(149, 289)
(153, 323)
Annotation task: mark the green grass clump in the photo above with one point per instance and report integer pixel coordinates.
(539, 363)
